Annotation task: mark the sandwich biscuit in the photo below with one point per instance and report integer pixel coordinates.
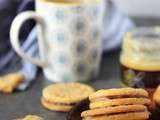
(63, 96)
(119, 93)
(114, 110)
(123, 116)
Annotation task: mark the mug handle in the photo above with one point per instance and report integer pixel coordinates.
(14, 36)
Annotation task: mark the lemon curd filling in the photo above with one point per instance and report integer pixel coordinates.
(141, 51)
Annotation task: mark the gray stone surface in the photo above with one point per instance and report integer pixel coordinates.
(28, 102)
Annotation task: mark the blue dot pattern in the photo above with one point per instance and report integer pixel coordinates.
(77, 37)
(81, 47)
(95, 12)
(66, 77)
(61, 37)
(79, 26)
(62, 59)
(60, 15)
(80, 69)
(95, 34)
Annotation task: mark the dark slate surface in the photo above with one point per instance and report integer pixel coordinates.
(20, 104)
(28, 102)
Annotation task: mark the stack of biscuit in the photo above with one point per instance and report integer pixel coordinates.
(118, 104)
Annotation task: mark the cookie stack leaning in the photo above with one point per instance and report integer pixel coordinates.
(63, 96)
(118, 104)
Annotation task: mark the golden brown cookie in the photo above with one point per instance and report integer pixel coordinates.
(123, 116)
(118, 93)
(156, 96)
(63, 96)
(9, 82)
(120, 101)
(56, 106)
(114, 110)
(118, 104)
(31, 117)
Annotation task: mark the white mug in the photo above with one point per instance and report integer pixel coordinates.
(69, 37)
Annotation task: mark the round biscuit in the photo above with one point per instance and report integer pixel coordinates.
(119, 92)
(30, 117)
(122, 116)
(67, 92)
(120, 101)
(54, 107)
(114, 110)
(156, 96)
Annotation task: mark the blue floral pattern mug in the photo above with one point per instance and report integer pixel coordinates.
(69, 37)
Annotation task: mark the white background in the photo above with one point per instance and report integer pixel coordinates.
(145, 8)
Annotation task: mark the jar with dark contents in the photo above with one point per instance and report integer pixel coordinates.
(140, 58)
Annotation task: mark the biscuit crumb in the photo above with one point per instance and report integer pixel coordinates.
(31, 117)
(9, 82)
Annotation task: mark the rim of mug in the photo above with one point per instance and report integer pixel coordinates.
(69, 3)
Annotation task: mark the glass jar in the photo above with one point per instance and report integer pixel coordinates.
(140, 58)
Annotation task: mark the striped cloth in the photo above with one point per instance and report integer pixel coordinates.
(116, 24)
